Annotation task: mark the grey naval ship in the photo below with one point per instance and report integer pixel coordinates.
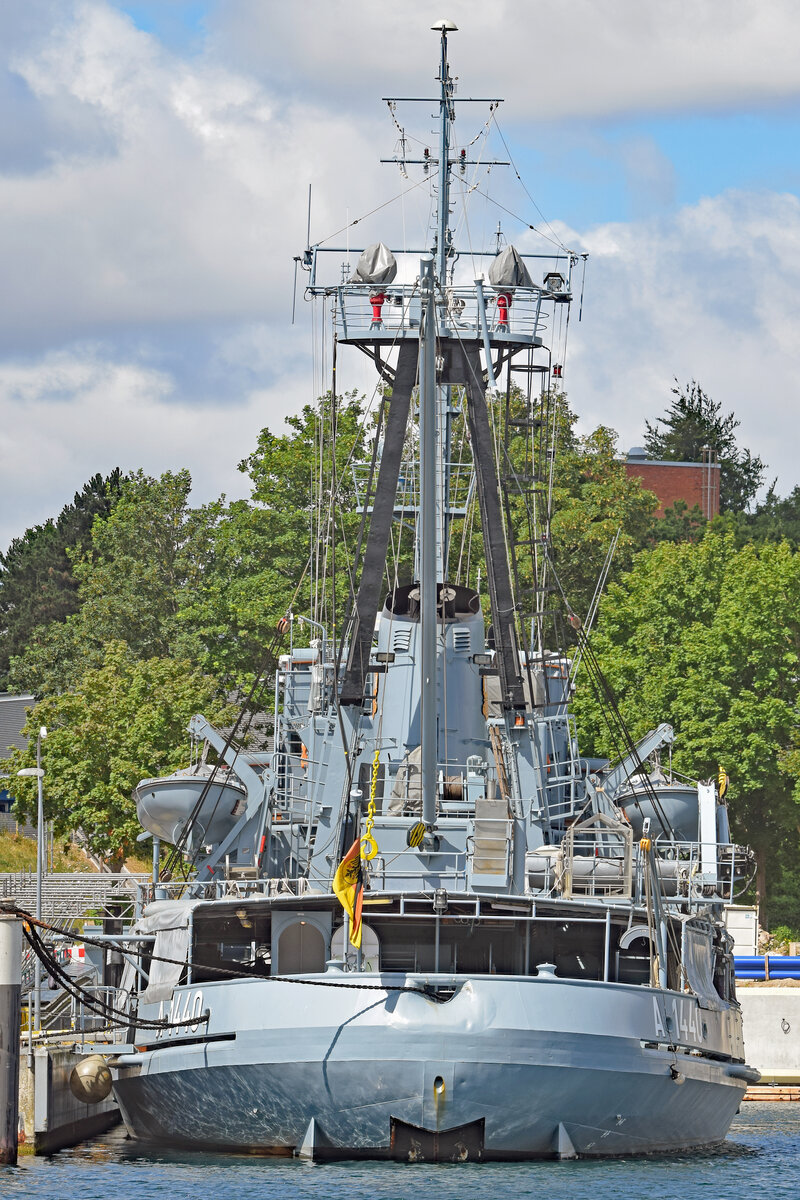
(419, 925)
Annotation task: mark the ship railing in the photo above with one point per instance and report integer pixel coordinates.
(68, 1015)
(564, 796)
(448, 866)
(249, 886)
(598, 858)
(172, 889)
(564, 792)
(295, 798)
(595, 860)
(695, 873)
(461, 488)
(395, 798)
(364, 312)
(84, 1019)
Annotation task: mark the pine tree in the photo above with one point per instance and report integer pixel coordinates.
(694, 423)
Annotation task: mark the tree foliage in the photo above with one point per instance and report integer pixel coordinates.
(707, 636)
(774, 520)
(162, 607)
(142, 564)
(594, 499)
(38, 586)
(694, 422)
(679, 524)
(277, 551)
(124, 720)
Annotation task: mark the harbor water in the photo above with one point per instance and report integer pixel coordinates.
(760, 1158)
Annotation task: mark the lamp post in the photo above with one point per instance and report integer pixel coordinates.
(37, 966)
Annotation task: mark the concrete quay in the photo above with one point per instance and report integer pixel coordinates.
(771, 1026)
(51, 1118)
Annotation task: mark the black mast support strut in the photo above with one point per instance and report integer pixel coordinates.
(377, 547)
(465, 366)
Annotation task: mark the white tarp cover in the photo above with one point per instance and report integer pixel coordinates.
(377, 265)
(169, 921)
(698, 962)
(508, 271)
(407, 791)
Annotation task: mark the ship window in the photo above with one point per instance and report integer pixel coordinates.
(230, 942)
(465, 946)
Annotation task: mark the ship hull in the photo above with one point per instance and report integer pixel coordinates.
(504, 1070)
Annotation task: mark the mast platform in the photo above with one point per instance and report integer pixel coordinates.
(364, 314)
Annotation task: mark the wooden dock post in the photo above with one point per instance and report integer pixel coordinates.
(10, 1012)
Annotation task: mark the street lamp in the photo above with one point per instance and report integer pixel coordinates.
(38, 773)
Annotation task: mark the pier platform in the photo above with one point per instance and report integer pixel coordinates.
(50, 1116)
(771, 1027)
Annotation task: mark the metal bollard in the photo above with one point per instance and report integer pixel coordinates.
(10, 1013)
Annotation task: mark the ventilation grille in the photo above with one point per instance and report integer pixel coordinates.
(401, 642)
(461, 641)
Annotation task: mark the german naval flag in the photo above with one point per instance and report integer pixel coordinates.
(348, 884)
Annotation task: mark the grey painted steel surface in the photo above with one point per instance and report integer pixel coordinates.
(10, 1013)
(524, 1055)
(495, 548)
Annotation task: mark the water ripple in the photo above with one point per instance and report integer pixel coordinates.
(761, 1156)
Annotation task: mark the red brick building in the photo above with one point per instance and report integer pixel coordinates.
(696, 483)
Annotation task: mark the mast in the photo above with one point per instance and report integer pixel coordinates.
(431, 441)
(446, 115)
(428, 556)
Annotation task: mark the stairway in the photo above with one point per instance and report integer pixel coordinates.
(491, 854)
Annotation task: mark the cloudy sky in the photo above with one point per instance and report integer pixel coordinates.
(155, 160)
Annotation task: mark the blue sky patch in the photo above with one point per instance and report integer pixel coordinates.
(177, 23)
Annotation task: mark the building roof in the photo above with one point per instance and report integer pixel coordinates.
(638, 457)
(12, 719)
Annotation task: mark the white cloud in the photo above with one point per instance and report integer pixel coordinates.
(194, 214)
(587, 58)
(708, 293)
(69, 415)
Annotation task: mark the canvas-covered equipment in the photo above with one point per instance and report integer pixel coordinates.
(376, 266)
(508, 271)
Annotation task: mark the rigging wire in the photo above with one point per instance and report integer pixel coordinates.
(349, 225)
(524, 188)
(521, 220)
(610, 708)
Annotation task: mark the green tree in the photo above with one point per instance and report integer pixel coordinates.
(592, 500)
(694, 422)
(707, 636)
(37, 582)
(775, 519)
(124, 720)
(143, 562)
(680, 524)
(276, 552)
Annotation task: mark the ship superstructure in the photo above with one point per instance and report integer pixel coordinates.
(541, 967)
